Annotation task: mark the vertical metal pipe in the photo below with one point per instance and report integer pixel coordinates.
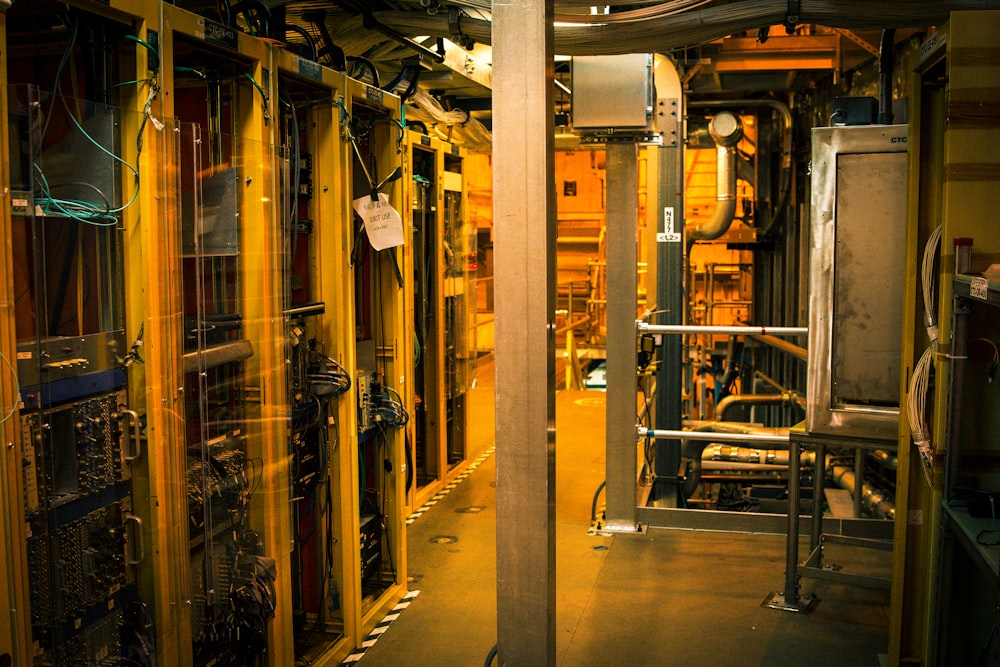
(792, 545)
(709, 292)
(569, 308)
(819, 477)
(524, 227)
(620, 439)
(859, 478)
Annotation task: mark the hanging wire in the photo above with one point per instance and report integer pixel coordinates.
(17, 389)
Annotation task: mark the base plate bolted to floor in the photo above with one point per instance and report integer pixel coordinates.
(777, 601)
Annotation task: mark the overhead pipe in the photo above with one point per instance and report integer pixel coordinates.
(786, 148)
(726, 130)
(733, 401)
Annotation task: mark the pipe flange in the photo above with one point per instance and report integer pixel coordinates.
(726, 128)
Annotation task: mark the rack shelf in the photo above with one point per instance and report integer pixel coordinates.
(969, 582)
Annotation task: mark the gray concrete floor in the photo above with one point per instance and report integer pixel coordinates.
(666, 597)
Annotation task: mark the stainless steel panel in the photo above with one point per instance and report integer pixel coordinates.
(620, 439)
(81, 166)
(857, 280)
(62, 357)
(524, 215)
(869, 253)
(612, 91)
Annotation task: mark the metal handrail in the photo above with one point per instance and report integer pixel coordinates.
(670, 434)
(643, 327)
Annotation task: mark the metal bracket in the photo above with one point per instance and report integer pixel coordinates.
(455, 28)
(792, 16)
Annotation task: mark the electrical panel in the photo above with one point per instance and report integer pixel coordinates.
(75, 451)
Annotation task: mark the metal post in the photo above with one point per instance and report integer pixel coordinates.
(819, 480)
(670, 304)
(859, 479)
(524, 227)
(789, 599)
(622, 211)
(792, 545)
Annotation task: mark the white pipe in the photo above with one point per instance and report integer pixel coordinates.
(645, 327)
(725, 199)
(758, 438)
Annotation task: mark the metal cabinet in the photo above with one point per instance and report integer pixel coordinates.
(969, 585)
(206, 369)
(444, 310)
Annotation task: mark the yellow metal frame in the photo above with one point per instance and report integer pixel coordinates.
(393, 351)
(153, 306)
(15, 630)
(438, 441)
(949, 184)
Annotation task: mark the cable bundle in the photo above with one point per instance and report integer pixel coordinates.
(326, 377)
(423, 107)
(669, 25)
(916, 400)
(387, 407)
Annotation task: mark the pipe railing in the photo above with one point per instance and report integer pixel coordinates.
(796, 351)
(714, 436)
(644, 327)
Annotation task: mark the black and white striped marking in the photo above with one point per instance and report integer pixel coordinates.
(451, 485)
(380, 629)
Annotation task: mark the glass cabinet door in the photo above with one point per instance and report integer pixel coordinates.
(459, 260)
(79, 437)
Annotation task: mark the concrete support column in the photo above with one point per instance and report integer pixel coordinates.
(622, 249)
(524, 217)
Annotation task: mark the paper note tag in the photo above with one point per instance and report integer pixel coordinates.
(979, 288)
(383, 224)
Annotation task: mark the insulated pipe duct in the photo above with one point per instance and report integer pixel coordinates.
(786, 148)
(885, 459)
(738, 400)
(875, 501)
(726, 130)
(693, 449)
(773, 457)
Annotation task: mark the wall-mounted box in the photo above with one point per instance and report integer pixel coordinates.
(857, 280)
(613, 92)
